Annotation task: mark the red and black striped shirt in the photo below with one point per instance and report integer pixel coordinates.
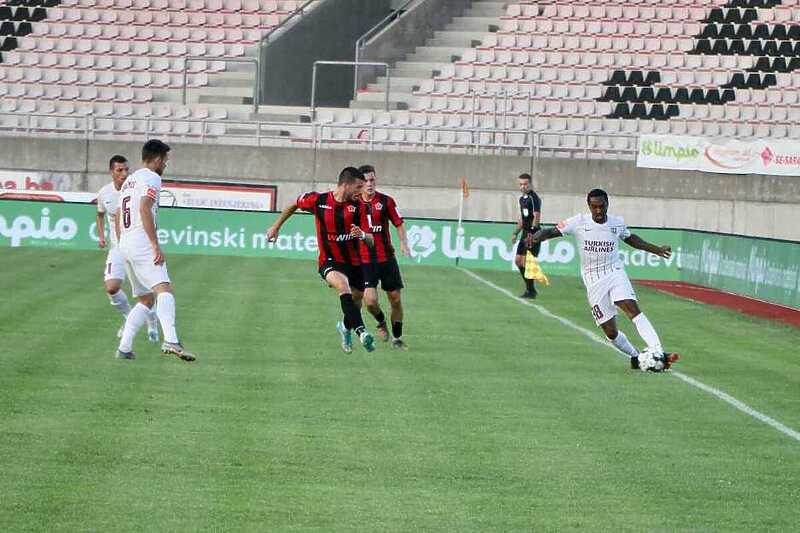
(376, 214)
(333, 221)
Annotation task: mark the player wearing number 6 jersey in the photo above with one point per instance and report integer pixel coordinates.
(607, 285)
(138, 242)
(114, 271)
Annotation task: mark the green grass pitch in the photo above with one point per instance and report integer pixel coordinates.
(497, 419)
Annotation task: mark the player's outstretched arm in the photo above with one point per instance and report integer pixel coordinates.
(545, 234)
(272, 231)
(640, 244)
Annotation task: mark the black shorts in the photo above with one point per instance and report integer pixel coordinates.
(388, 273)
(354, 274)
(523, 248)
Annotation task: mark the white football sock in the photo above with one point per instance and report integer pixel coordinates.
(120, 300)
(166, 315)
(647, 332)
(624, 345)
(134, 322)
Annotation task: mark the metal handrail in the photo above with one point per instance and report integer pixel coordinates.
(256, 85)
(86, 126)
(347, 63)
(361, 41)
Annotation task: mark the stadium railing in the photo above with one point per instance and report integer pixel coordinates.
(318, 135)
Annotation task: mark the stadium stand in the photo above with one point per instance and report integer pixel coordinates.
(574, 69)
(572, 78)
(120, 60)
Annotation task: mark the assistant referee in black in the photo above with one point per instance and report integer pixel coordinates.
(530, 214)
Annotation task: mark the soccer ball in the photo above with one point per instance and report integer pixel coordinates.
(651, 361)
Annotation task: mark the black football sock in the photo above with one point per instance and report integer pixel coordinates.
(380, 318)
(397, 329)
(528, 282)
(346, 323)
(352, 314)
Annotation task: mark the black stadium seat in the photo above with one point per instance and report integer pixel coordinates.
(646, 94)
(8, 44)
(682, 96)
(761, 32)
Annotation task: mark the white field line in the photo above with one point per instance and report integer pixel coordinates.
(727, 398)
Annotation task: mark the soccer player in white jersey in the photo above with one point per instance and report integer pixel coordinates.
(607, 285)
(138, 242)
(114, 272)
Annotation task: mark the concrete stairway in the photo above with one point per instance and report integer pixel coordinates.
(446, 46)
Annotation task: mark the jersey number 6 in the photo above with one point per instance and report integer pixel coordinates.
(126, 212)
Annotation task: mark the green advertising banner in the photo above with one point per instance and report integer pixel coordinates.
(764, 269)
(755, 267)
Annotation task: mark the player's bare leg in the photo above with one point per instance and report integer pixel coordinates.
(165, 309)
(352, 314)
(396, 302)
(374, 308)
(646, 331)
(119, 300)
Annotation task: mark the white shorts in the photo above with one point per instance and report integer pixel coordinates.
(602, 295)
(115, 265)
(144, 275)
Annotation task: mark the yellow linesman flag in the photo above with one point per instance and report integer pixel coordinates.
(464, 188)
(533, 270)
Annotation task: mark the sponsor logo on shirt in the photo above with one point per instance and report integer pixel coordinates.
(603, 247)
(340, 237)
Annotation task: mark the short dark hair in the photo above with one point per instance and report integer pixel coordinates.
(153, 149)
(526, 176)
(116, 159)
(366, 169)
(597, 193)
(350, 175)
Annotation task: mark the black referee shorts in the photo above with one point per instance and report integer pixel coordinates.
(354, 274)
(387, 273)
(523, 248)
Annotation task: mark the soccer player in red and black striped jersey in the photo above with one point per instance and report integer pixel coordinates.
(338, 215)
(379, 262)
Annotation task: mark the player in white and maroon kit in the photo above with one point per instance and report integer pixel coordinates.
(114, 271)
(138, 242)
(607, 285)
